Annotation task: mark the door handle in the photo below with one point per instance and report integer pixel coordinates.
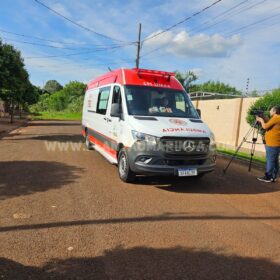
(105, 119)
(109, 120)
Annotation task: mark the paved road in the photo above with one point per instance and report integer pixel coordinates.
(66, 215)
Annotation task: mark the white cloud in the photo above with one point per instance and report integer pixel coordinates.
(201, 45)
(254, 60)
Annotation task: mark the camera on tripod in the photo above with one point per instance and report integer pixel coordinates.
(256, 131)
(257, 113)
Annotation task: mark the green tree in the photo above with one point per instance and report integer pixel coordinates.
(186, 79)
(73, 90)
(217, 87)
(70, 98)
(52, 86)
(31, 95)
(14, 79)
(264, 103)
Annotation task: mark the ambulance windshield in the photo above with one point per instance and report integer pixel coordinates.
(161, 102)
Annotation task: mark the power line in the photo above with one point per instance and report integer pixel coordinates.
(182, 21)
(219, 15)
(51, 41)
(58, 47)
(252, 24)
(82, 65)
(227, 34)
(195, 29)
(246, 8)
(78, 24)
(74, 54)
(223, 14)
(261, 27)
(233, 13)
(245, 27)
(37, 44)
(152, 51)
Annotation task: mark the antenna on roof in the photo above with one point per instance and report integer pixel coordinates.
(109, 69)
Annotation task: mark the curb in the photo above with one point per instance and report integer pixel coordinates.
(5, 132)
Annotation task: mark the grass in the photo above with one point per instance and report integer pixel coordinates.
(242, 155)
(57, 116)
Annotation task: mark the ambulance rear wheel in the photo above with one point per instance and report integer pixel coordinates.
(88, 143)
(125, 172)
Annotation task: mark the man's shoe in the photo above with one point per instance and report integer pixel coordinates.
(265, 179)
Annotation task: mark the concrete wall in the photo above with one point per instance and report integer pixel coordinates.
(227, 119)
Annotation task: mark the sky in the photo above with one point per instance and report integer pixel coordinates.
(230, 42)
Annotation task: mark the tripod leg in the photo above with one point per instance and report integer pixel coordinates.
(253, 149)
(233, 157)
(236, 152)
(251, 158)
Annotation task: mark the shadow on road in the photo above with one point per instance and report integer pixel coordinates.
(146, 219)
(236, 181)
(147, 263)
(74, 138)
(27, 177)
(54, 123)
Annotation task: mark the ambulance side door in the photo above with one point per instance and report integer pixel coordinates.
(116, 124)
(100, 124)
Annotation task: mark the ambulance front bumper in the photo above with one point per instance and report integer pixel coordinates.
(155, 163)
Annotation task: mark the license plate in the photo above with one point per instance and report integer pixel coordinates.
(187, 172)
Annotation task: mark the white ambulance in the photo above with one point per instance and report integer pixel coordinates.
(144, 122)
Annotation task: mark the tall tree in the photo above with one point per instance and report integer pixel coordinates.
(14, 79)
(186, 79)
(52, 86)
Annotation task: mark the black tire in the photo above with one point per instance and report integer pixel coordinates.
(125, 172)
(89, 146)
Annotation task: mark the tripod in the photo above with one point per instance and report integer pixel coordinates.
(256, 131)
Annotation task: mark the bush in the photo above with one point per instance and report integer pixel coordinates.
(57, 101)
(264, 103)
(76, 105)
(41, 105)
(69, 99)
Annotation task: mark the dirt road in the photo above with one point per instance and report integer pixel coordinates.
(64, 214)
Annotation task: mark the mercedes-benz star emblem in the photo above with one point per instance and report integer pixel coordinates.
(189, 146)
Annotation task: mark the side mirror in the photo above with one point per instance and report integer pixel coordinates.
(116, 110)
(199, 112)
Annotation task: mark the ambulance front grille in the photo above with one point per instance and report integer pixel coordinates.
(184, 146)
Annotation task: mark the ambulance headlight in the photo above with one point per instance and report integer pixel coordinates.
(139, 136)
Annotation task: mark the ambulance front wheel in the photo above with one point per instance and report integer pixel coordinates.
(125, 172)
(88, 143)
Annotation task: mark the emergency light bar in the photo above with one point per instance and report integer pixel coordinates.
(154, 73)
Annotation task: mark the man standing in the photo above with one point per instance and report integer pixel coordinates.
(272, 147)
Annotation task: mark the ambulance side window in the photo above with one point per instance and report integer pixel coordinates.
(103, 97)
(117, 98)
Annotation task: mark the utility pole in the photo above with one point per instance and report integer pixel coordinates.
(138, 47)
